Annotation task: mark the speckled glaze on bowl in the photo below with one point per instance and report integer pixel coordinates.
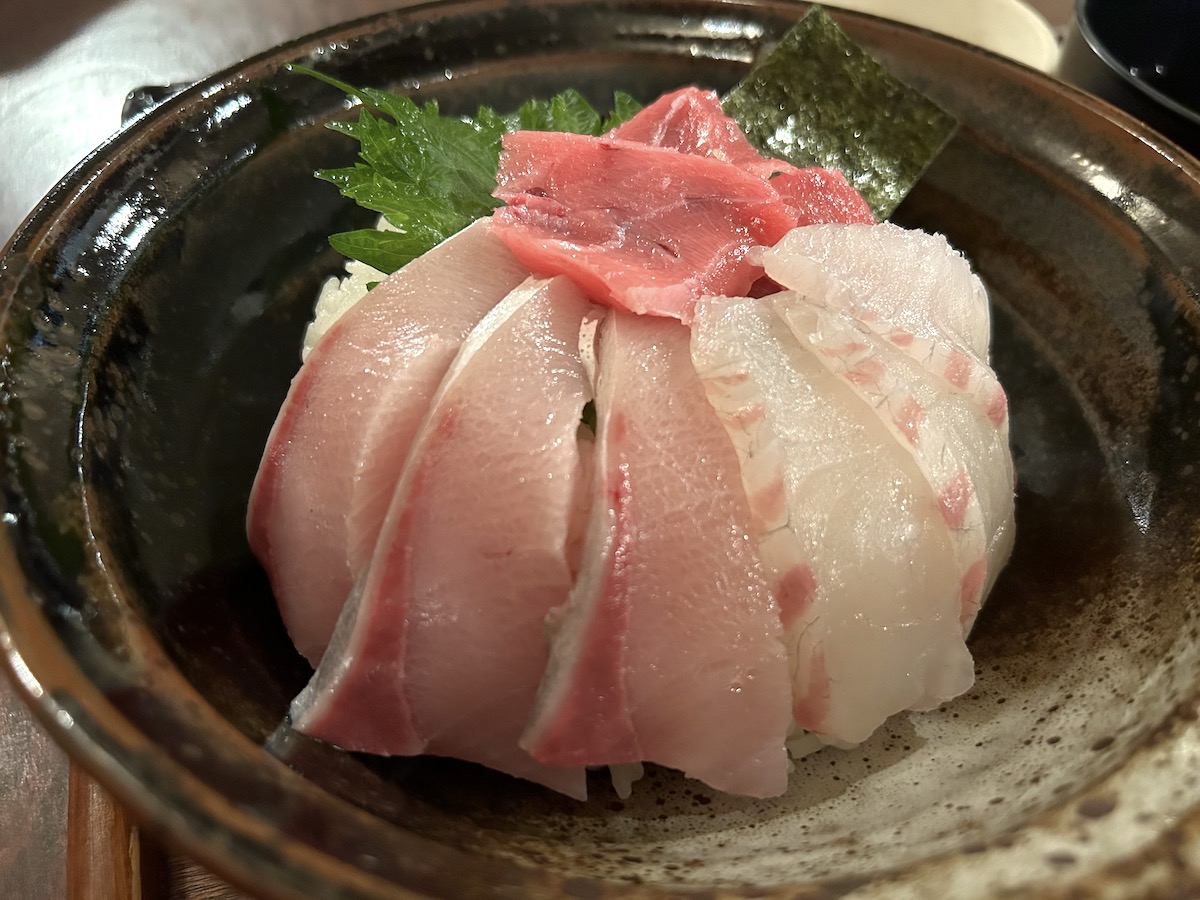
(154, 306)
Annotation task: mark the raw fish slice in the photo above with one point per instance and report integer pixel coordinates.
(890, 278)
(678, 227)
(339, 442)
(960, 452)
(669, 648)
(960, 375)
(445, 646)
(691, 120)
(918, 293)
(820, 196)
(860, 557)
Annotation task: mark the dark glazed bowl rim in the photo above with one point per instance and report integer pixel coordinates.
(1120, 69)
(245, 845)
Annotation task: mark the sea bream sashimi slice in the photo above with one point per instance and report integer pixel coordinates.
(859, 554)
(895, 280)
(339, 442)
(442, 647)
(962, 455)
(669, 649)
(691, 120)
(918, 293)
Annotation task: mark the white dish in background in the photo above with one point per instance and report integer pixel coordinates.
(1007, 27)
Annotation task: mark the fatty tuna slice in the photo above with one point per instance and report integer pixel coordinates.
(636, 227)
(852, 536)
(690, 120)
(340, 440)
(669, 648)
(444, 647)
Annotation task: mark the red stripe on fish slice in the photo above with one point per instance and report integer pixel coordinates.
(768, 503)
(958, 369)
(954, 498)
(592, 725)
(794, 593)
(998, 409)
(909, 418)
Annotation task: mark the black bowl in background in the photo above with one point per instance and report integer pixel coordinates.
(1142, 56)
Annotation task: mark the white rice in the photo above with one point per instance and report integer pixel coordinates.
(339, 294)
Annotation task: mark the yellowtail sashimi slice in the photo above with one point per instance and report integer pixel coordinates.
(860, 556)
(338, 445)
(443, 646)
(669, 649)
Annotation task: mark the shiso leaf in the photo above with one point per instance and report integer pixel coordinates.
(818, 99)
(430, 175)
(568, 111)
(386, 251)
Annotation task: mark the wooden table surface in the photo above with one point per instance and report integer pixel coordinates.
(65, 69)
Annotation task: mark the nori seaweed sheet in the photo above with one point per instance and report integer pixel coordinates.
(818, 99)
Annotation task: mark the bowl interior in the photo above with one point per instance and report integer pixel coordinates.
(155, 321)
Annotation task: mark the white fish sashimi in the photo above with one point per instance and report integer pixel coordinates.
(919, 294)
(340, 440)
(959, 450)
(888, 277)
(445, 639)
(863, 562)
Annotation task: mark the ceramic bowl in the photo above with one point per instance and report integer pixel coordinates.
(153, 309)
(1141, 56)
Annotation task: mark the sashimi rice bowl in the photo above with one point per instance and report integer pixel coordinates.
(762, 465)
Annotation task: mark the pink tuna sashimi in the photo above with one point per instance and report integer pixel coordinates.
(636, 227)
(691, 120)
(821, 196)
(850, 531)
(959, 451)
(444, 648)
(340, 440)
(669, 648)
